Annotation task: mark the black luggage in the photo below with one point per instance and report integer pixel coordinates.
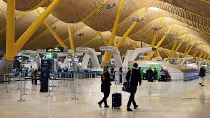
(116, 99)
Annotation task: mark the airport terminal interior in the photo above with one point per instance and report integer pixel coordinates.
(92, 58)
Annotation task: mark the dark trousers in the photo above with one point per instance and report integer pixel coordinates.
(140, 81)
(132, 97)
(106, 95)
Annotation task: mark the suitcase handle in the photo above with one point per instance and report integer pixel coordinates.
(115, 86)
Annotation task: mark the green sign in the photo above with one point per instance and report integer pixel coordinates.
(49, 55)
(146, 66)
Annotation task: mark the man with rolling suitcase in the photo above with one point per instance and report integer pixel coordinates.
(133, 77)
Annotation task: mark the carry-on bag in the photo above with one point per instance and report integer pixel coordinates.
(116, 98)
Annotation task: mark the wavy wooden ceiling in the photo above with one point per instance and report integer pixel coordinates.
(187, 15)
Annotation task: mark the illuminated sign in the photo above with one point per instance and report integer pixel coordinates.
(79, 49)
(49, 55)
(59, 49)
(106, 48)
(41, 50)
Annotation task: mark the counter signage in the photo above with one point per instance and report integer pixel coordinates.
(106, 48)
(59, 49)
(81, 49)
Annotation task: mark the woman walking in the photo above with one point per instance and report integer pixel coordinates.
(105, 87)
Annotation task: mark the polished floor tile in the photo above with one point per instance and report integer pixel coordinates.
(156, 100)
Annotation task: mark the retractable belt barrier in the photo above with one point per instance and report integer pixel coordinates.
(22, 77)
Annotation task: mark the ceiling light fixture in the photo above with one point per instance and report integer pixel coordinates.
(154, 9)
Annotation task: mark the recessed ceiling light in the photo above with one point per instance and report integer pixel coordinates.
(154, 9)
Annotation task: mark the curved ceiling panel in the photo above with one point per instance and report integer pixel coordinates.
(24, 5)
(190, 5)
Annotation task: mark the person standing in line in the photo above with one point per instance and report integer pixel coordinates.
(133, 77)
(155, 74)
(105, 87)
(33, 74)
(150, 75)
(202, 75)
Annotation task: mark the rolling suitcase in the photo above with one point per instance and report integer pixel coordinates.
(116, 98)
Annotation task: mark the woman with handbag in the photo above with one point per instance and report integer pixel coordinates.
(105, 87)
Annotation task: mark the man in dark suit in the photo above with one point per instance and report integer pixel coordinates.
(133, 78)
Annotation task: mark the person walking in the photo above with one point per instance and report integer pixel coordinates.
(133, 77)
(202, 75)
(140, 80)
(105, 87)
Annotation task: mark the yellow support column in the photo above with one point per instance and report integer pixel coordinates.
(150, 55)
(158, 53)
(121, 41)
(189, 50)
(185, 52)
(10, 30)
(175, 43)
(71, 41)
(201, 54)
(156, 33)
(107, 55)
(55, 35)
(102, 38)
(183, 39)
(195, 54)
(130, 41)
(30, 31)
(208, 57)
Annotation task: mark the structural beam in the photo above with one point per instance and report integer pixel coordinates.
(195, 53)
(201, 54)
(30, 31)
(185, 52)
(158, 53)
(108, 55)
(150, 55)
(183, 39)
(121, 41)
(38, 5)
(189, 50)
(71, 41)
(102, 38)
(175, 43)
(10, 30)
(39, 35)
(19, 16)
(55, 35)
(157, 32)
(95, 10)
(131, 43)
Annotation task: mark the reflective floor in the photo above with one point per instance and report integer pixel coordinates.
(176, 99)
